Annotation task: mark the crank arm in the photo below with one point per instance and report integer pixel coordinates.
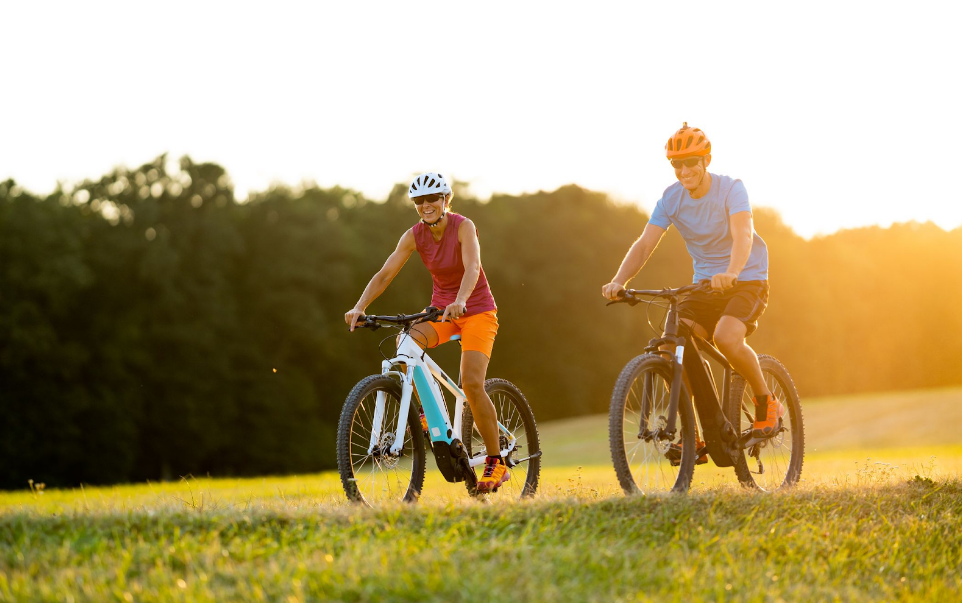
(527, 458)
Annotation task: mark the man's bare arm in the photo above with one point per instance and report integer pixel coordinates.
(634, 260)
(742, 227)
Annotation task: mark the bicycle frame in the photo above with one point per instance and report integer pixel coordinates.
(687, 359)
(423, 375)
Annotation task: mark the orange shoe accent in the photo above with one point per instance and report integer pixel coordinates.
(674, 453)
(495, 474)
(774, 411)
(424, 423)
(701, 460)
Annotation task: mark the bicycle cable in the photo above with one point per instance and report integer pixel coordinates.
(416, 338)
(661, 328)
(380, 346)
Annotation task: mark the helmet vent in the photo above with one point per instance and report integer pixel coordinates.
(688, 144)
(431, 183)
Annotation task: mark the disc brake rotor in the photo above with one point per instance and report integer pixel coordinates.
(662, 446)
(384, 446)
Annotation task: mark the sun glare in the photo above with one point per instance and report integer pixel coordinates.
(821, 120)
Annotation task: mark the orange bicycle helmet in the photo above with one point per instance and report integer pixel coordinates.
(688, 142)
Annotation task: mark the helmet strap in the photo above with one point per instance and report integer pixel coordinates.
(436, 222)
(700, 182)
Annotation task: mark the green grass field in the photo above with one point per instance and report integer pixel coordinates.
(876, 517)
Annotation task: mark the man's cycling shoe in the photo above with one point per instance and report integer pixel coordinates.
(768, 421)
(768, 417)
(495, 474)
(674, 454)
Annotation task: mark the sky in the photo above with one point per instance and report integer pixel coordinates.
(836, 114)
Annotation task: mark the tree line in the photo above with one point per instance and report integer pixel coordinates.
(151, 326)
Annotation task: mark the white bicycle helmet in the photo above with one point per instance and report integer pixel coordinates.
(428, 183)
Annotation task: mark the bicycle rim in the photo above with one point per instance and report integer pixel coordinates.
(646, 464)
(375, 475)
(515, 415)
(776, 462)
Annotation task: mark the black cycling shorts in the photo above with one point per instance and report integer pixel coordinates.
(746, 301)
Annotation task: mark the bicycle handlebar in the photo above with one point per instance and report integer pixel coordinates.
(373, 322)
(629, 296)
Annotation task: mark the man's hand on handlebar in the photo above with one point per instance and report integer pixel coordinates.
(613, 291)
(723, 281)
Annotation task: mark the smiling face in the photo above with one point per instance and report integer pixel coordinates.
(431, 207)
(691, 171)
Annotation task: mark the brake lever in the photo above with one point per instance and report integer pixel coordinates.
(366, 323)
(434, 317)
(707, 288)
(625, 299)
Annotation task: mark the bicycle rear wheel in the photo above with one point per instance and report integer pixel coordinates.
(515, 414)
(644, 462)
(372, 474)
(778, 460)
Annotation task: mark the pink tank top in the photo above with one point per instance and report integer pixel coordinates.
(444, 262)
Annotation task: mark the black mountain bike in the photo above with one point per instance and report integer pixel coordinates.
(655, 438)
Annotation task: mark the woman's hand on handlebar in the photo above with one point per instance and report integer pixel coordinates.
(352, 317)
(613, 291)
(453, 311)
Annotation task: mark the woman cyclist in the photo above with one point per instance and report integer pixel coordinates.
(448, 245)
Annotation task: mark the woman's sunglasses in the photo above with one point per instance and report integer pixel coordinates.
(690, 162)
(429, 198)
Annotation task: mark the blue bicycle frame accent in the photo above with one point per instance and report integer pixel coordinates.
(437, 426)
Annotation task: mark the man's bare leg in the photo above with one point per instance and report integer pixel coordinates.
(730, 338)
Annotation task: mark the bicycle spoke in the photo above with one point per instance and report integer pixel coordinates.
(650, 469)
(776, 453)
(510, 413)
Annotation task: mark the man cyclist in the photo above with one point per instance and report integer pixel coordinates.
(714, 217)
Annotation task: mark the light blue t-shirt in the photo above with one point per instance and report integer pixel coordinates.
(703, 224)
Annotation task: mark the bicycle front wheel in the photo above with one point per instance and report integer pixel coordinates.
(514, 413)
(646, 461)
(777, 462)
(370, 472)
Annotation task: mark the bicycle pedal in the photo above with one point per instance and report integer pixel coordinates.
(747, 442)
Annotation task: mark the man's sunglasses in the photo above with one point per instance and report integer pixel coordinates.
(429, 198)
(690, 162)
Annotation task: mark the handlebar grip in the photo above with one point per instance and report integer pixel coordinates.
(366, 322)
(624, 297)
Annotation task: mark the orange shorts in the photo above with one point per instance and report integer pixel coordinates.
(477, 331)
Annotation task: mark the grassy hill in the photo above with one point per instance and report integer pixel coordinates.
(903, 427)
(878, 522)
(891, 542)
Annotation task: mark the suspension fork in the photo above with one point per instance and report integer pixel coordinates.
(647, 403)
(676, 386)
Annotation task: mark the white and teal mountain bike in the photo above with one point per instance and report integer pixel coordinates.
(381, 440)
